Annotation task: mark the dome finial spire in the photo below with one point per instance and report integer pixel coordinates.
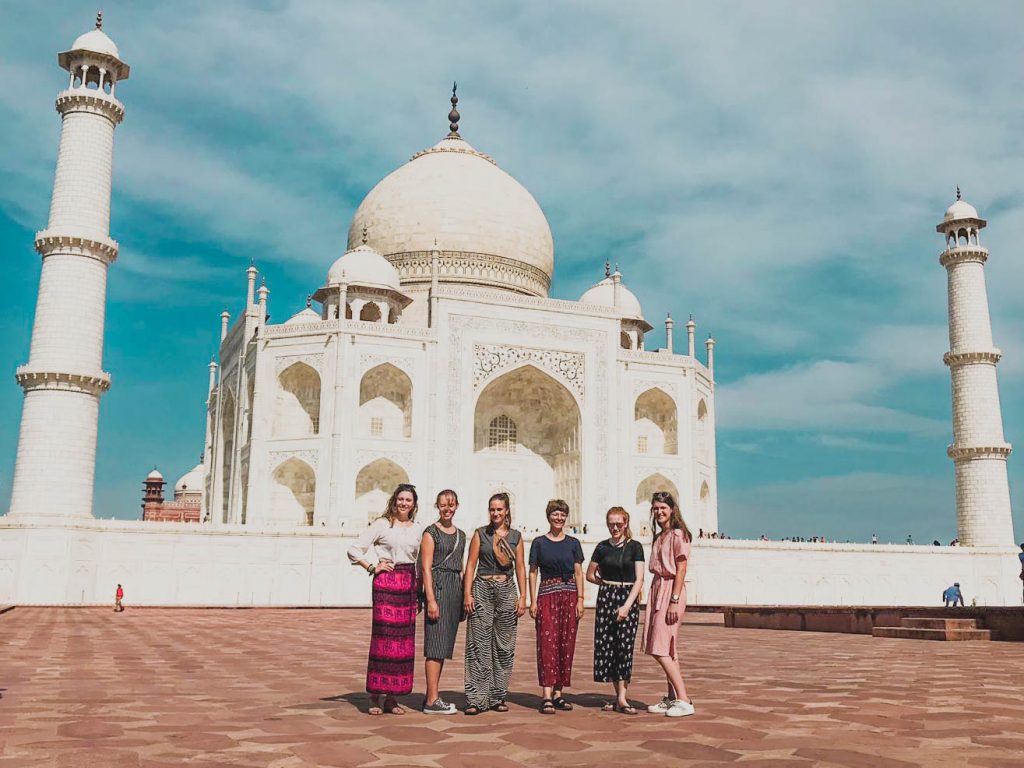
(364, 234)
(453, 116)
(607, 268)
(957, 191)
(99, 19)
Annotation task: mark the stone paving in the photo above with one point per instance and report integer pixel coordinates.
(161, 688)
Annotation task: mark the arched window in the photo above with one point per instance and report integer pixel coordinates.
(370, 312)
(501, 434)
(624, 341)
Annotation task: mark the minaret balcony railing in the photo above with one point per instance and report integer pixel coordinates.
(969, 452)
(88, 100)
(32, 379)
(987, 357)
(52, 241)
(960, 254)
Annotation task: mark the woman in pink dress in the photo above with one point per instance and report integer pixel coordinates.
(667, 601)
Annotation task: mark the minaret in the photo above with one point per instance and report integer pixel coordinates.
(64, 378)
(978, 451)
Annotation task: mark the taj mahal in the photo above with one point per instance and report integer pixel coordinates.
(431, 353)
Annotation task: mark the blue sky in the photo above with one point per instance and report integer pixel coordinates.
(775, 169)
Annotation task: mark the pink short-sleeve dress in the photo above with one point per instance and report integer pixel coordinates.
(659, 636)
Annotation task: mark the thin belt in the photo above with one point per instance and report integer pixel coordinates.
(606, 583)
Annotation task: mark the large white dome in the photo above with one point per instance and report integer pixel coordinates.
(488, 229)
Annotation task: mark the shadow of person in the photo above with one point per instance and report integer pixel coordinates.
(360, 700)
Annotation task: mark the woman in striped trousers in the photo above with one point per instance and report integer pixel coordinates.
(493, 603)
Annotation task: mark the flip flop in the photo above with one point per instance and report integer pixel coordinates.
(375, 710)
(392, 707)
(609, 706)
(471, 710)
(628, 709)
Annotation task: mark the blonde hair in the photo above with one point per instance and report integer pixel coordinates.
(620, 511)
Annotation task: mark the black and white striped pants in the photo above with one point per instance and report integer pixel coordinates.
(491, 642)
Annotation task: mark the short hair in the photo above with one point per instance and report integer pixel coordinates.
(556, 505)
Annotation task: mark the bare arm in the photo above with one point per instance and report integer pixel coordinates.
(672, 616)
(577, 573)
(521, 577)
(470, 574)
(426, 566)
(592, 575)
(533, 591)
(634, 593)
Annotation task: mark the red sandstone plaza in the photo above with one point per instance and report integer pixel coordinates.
(162, 688)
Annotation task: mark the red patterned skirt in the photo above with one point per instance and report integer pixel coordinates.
(393, 639)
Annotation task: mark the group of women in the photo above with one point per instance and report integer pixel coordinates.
(411, 565)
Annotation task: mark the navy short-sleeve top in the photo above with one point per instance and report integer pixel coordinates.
(556, 559)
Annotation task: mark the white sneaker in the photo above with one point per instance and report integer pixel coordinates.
(680, 708)
(661, 707)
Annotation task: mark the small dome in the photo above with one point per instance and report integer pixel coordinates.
(191, 481)
(307, 315)
(603, 294)
(96, 40)
(363, 266)
(154, 475)
(961, 209)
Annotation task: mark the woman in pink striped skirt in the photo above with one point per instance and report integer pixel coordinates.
(388, 549)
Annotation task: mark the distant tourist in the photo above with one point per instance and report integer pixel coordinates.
(617, 566)
(874, 538)
(441, 553)
(952, 595)
(1021, 556)
(493, 603)
(670, 556)
(394, 538)
(118, 597)
(910, 539)
(556, 604)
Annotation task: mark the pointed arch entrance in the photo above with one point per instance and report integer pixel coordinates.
(374, 485)
(294, 494)
(526, 437)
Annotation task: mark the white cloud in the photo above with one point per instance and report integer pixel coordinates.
(823, 395)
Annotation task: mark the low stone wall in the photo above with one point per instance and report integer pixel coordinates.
(80, 562)
(1005, 623)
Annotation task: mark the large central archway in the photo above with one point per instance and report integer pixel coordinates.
(526, 439)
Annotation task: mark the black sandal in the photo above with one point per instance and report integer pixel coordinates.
(501, 706)
(471, 710)
(547, 707)
(562, 704)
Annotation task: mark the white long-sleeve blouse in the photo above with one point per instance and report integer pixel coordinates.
(399, 543)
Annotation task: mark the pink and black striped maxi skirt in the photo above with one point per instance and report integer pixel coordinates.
(393, 638)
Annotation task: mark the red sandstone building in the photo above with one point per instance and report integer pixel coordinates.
(184, 508)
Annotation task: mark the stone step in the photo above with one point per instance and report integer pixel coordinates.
(916, 633)
(941, 622)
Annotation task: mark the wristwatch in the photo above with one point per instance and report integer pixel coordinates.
(371, 570)
(674, 599)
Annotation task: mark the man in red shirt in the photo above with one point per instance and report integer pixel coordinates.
(118, 597)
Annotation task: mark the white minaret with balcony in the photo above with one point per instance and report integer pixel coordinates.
(978, 450)
(64, 377)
